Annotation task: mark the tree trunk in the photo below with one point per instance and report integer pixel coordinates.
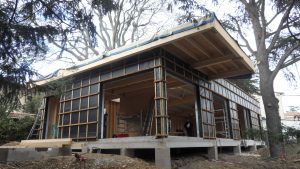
(272, 113)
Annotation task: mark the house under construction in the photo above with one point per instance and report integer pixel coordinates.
(162, 93)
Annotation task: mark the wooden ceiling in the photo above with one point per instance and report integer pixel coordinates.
(209, 52)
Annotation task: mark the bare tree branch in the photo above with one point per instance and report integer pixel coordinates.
(279, 28)
(283, 58)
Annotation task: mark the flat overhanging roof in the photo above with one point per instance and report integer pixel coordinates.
(206, 46)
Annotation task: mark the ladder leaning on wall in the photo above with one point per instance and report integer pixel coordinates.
(149, 118)
(36, 130)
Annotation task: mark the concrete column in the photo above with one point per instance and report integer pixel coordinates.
(127, 152)
(163, 158)
(237, 150)
(253, 148)
(213, 153)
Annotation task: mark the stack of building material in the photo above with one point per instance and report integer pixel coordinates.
(36, 150)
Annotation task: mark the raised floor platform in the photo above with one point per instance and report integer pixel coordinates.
(145, 142)
(162, 146)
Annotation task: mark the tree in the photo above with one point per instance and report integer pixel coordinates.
(128, 22)
(248, 85)
(274, 26)
(26, 27)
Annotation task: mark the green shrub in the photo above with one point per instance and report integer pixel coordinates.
(14, 129)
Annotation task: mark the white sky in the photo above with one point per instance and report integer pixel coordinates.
(291, 90)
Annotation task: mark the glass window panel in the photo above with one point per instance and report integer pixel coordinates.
(93, 101)
(68, 86)
(73, 132)
(85, 91)
(84, 103)
(83, 116)
(85, 82)
(76, 93)
(66, 119)
(65, 133)
(94, 79)
(82, 130)
(131, 68)
(92, 115)
(67, 106)
(92, 129)
(74, 118)
(94, 88)
(105, 76)
(68, 95)
(76, 84)
(118, 72)
(75, 104)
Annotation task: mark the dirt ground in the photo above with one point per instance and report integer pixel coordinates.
(93, 161)
(248, 160)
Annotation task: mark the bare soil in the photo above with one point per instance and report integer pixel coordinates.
(247, 160)
(93, 161)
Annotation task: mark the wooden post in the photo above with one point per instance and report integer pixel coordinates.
(160, 107)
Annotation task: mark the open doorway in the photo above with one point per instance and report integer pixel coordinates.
(51, 116)
(244, 120)
(181, 107)
(221, 116)
(128, 106)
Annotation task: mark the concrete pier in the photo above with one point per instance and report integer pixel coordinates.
(127, 152)
(163, 158)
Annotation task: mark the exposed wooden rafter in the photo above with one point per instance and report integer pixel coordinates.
(193, 43)
(229, 74)
(185, 50)
(213, 61)
(211, 44)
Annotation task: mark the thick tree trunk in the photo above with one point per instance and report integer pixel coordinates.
(272, 114)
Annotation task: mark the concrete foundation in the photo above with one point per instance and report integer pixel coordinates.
(253, 148)
(237, 150)
(163, 158)
(8, 154)
(127, 152)
(212, 153)
(162, 146)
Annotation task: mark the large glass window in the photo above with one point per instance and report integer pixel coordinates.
(208, 119)
(79, 110)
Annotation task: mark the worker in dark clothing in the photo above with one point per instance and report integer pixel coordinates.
(188, 126)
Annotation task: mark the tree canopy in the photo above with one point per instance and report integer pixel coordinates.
(26, 27)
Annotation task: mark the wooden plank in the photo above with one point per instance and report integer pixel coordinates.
(233, 46)
(211, 44)
(185, 50)
(195, 44)
(183, 100)
(213, 61)
(229, 74)
(47, 143)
